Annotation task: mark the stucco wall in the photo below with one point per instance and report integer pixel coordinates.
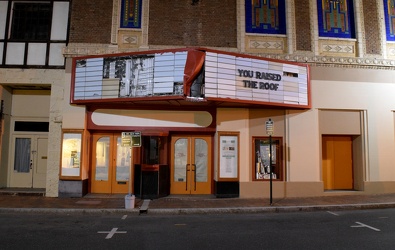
(362, 89)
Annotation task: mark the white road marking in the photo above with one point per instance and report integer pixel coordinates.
(364, 225)
(124, 217)
(333, 213)
(111, 233)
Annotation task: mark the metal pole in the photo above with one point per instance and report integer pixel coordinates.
(130, 171)
(270, 170)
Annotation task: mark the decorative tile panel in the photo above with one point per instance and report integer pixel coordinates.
(337, 48)
(336, 18)
(266, 44)
(265, 16)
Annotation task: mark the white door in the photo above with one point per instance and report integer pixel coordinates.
(28, 161)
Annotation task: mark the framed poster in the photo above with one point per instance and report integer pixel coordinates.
(228, 156)
(261, 158)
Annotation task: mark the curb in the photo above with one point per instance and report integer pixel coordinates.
(197, 211)
(70, 210)
(276, 209)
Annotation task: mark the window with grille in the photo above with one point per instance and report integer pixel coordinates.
(31, 21)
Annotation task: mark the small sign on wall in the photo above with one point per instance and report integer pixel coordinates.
(131, 139)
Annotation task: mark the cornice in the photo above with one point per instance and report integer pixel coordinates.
(75, 50)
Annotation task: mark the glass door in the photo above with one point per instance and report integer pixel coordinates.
(191, 165)
(110, 164)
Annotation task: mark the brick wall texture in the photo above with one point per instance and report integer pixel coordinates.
(372, 29)
(91, 21)
(193, 23)
(302, 24)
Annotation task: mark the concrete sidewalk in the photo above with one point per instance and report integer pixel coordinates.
(173, 204)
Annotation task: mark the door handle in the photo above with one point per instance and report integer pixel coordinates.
(31, 164)
(194, 174)
(186, 176)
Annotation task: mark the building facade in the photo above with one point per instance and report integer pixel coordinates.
(332, 134)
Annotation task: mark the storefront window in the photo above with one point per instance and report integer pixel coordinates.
(261, 158)
(71, 154)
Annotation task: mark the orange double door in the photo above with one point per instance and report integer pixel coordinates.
(191, 165)
(111, 164)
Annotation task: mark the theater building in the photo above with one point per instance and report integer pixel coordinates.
(209, 97)
(193, 111)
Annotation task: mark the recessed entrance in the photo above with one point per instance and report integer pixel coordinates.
(191, 165)
(110, 164)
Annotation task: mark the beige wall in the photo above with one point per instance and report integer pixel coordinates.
(30, 104)
(371, 90)
(236, 120)
(73, 117)
(303, 161)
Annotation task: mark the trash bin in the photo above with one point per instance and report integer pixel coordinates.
(129, 201)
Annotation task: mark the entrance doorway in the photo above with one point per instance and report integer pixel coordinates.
(110, 164)
(29, 161)
(337, 164)
(191, 165)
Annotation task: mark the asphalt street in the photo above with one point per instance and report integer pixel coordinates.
(362, 229)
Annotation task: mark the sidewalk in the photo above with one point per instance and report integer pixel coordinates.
(33, 202)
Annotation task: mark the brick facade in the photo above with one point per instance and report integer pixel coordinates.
(91, 21)
(302, 24)
(372, 29)
(193, 23)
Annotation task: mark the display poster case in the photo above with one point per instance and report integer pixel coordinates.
(261, 158)
(229, 156)
(71, 154)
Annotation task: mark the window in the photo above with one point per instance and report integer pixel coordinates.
(31, 21)
(130, 14)
(33, 33)
(71, 154)
(389, 14)
(336, 18)
(265, 16)
(151, 150)
(262, 153)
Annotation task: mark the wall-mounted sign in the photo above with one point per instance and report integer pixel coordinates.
(126, 139)
(131, 139)
(136, 139)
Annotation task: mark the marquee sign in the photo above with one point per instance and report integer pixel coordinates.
(192, 74)
(257, 80)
